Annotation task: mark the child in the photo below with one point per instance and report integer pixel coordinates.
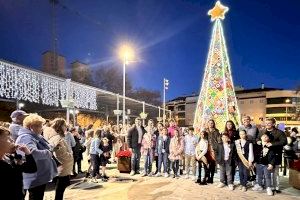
(147, 151)
(201, 152)
(162, 150)
(244, 150)
(12, 166)
(190, 142)
(105, 156)
(264, 166)
(225, 156)
(176, 152)
(95, 153)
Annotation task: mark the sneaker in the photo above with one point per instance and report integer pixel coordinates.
(257, 188)
(269, 191)
(166, 175)
(203, 183)
(241, 187)
(132, 173)
(186, 176)
(193, 178)
(144, 174)
(230, 187)
(157, 174)
(221, 185)
(244, 189)
(94, 180)
(150, 174)
(198, 181)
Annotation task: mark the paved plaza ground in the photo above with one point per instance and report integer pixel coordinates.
(125, 187)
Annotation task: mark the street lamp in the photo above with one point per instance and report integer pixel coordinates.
(21, 105)
(126, 54)
(286, 110)
(166, 87)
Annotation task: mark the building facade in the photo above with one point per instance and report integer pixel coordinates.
(259, 104)
(53, 63)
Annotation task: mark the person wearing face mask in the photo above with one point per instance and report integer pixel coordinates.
(12, 166)
(30, 135)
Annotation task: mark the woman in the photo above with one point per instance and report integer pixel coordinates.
(11, 169)
(55, 136)
(114, 131)
(176, 152)
(89, 137)
(30, 135)
(78, 149)
(202, 158)
(162, 150)
(233, 135)
(214, 138)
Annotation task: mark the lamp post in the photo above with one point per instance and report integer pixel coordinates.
(166, 86)
(286, 110)
(127, 54)
(20, 106)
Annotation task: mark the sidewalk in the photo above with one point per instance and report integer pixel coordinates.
(125, 187)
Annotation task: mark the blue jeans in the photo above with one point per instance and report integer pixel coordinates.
(262, 171)
(95, 163)
(243, 172)
(163, 158)
(135, 159)
(226, 172)
(148, 163)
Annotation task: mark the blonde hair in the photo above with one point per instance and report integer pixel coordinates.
(33, 120)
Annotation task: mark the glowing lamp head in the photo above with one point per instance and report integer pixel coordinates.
(126, 53)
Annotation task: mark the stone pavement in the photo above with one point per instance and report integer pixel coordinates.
(124, 187)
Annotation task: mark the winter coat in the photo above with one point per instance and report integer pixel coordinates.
(278, 140)
(176, 148)
(148, 144)
(160, 143)
(46, 166)
(61, 150)
(220, 154)
(133, 137)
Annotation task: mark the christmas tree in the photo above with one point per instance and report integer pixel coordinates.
(217, 98)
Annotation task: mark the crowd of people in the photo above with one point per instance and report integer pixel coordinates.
(35, 151)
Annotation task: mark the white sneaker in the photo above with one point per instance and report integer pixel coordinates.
(166, 175)
(132, 173)
(186, 176)
(193, 178)
(257, 188)
(269, 191)
(230, 187)
(221, 185)
(244, 189)
(240, 187)
(157, 174)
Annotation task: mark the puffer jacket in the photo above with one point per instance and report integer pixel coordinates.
(176, 148)
(61, 151)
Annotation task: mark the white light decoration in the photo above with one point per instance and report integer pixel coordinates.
(84, 97)
(24, 84)
(217, 99)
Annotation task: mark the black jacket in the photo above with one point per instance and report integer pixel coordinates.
(221, 154)
(133, 137)
(269, 158)
(278, 140)
(11, 179)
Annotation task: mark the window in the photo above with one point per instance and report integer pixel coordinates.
(181, 108)
(282, 100)
(251, 101)
(181, 115)
(281, 110)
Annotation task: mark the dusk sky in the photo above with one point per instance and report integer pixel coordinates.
(172, 38)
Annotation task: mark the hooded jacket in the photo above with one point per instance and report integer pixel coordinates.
(41, 152)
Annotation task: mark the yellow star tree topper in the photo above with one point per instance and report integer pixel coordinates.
(218, 12)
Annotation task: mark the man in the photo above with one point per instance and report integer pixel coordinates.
(251, 130)
(17, 118)
(134, 139)
(278, 140)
